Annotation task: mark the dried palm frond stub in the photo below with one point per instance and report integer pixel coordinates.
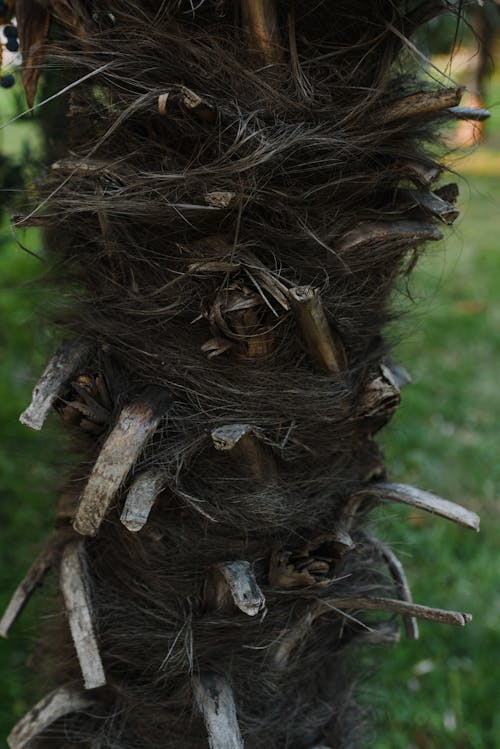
(79, 610)
(66, 362)
(215, 701)
(422, 500)
(231, 584)
(141, 497)
(322, 340)
(313, 564)
(239, 317)
(34, 577)
(136, 424)
(62, 701)
(86, 403)
(380, 399)
(399, 576)
(245, 444)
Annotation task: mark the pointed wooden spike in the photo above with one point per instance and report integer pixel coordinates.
(399, 576)
(323, 342)
(27, 586)
(243, 441)
(33, 23)
(56, 705)
(140, 499)
(394, 606)
(79, 611)
(261, 21)
(436, 205)
(135, 426)
(238, 580)
(63, 366)
(215, 701)
(469, 113)
(422, 103)
(407, 232)
(423, 500)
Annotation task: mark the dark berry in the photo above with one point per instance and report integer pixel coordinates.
(10, 32)
(7, 81)
(12, 45)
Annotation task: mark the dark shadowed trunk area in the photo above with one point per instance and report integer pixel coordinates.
(242, 185)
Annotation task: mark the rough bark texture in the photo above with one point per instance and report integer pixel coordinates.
(244, 185)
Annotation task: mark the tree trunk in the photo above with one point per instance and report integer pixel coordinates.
(243, 186)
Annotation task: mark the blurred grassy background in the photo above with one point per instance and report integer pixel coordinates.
(441, 690)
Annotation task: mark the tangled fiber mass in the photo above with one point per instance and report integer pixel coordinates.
(241, 186)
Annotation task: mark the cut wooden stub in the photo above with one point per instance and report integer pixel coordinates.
(398, 574)
(261, 21)
(63, 366)
(423, 500)
(245, 445)
(405, 232)
(79, 611)
(436, 205)
(140, 499)
(27, 586)
(136, 424)
(215, 701)
(56, 705)
(323, 342)
(420, 173)
(422, 103)
(233, 584)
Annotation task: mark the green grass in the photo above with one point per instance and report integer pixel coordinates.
(440, 691)
(445, 438)
(29, 462)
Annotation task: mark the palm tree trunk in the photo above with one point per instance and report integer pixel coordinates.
(244, 184)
